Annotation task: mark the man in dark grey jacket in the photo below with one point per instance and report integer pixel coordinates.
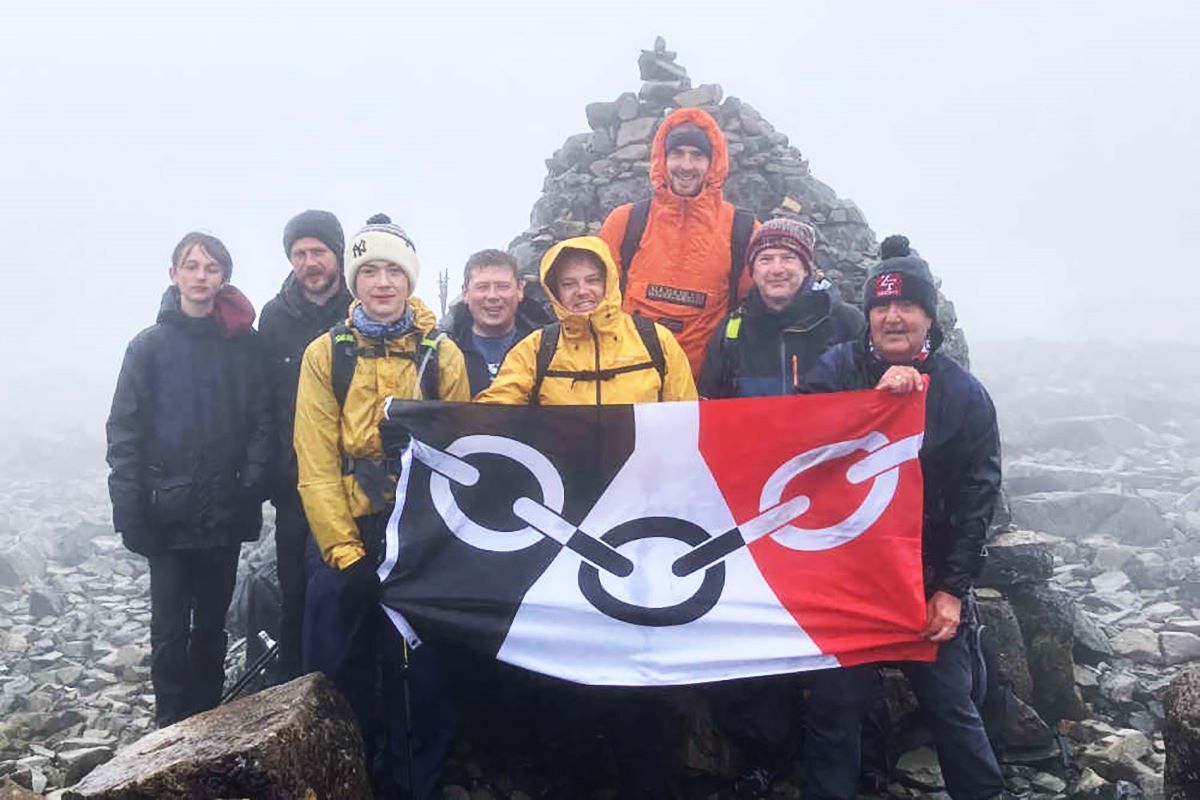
(312, 300)
(190, 442)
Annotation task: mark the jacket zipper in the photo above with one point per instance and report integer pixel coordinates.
(783, 359)
(596, 344)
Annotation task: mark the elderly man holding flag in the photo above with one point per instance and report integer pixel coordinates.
(960, 463)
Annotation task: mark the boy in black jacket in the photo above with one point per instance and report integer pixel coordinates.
(190, 442)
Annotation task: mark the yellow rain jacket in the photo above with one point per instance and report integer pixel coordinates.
(603, 339)
(325, 433)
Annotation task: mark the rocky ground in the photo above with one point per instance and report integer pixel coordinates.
(1092, 592)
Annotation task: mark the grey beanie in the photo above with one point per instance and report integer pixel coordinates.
(320, 225)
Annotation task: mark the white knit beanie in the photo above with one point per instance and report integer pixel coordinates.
(382, 240)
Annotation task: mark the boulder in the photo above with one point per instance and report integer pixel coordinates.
(1127, 518)
(1179, 647)
(1110, 582)
(920, 768)
(706, 94)
(1083, 434)
(627, 106)
(1024, 729)
(1091, 642)
(1018, 557)
(291, 741)
(636, 130)
(997, 614)
(600, 115)
(1137, 644)
(1047, 615)
(20, 565)
(1148, 570)
(1181, 734)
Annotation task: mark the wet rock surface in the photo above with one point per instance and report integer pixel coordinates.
(291, 741)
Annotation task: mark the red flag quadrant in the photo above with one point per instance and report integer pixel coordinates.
(848, 566)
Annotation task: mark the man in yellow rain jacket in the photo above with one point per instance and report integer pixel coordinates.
(389, 346)
(596, 354)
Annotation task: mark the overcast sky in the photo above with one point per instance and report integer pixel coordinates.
(1041, 155)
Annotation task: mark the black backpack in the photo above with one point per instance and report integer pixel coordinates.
(743, 229)
(549, 344)
(346, 352)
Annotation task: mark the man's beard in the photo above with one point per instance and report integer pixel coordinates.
(324, 286)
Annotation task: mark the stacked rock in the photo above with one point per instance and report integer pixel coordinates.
(594, 172)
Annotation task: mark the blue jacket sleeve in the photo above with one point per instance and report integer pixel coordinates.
(972, 501)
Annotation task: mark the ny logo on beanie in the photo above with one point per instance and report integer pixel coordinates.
(360, 247)
(889, 284)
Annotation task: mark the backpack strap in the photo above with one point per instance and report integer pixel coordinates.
(545, 354)
(428, 379)
(344, 354)
(731, 353)
(739, 242)
(634, 228)
(649, 333)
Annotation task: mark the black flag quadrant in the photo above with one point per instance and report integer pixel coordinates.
(488, 497)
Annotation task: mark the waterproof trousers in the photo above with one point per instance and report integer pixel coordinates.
(366, 658)
(291, 535)
(190, 591)
(832, 751)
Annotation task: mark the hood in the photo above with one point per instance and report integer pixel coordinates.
(609, 309)
(424, 319)
(292, 299)
(718, 167)
(233, 313)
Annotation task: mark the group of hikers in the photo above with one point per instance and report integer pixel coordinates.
(680, 297)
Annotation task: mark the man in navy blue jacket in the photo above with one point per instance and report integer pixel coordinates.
(790, 317)
(960, 462)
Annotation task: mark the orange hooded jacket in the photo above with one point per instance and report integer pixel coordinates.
(680, 274)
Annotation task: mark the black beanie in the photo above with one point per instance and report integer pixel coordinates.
(901, 275)
(320, 225)
(688, 133)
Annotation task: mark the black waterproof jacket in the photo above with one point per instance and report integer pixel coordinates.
(768, 352)
(960, 457)
(457, 324)
(289, 322)
(190, 434)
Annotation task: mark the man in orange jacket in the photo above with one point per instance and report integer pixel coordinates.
(681, 253)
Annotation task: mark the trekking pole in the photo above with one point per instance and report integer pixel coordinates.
(408, 725)
(255, 669)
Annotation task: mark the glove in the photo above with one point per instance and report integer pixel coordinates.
(360, 587)
(395, 437)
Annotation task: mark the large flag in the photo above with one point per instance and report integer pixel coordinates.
(663, 543)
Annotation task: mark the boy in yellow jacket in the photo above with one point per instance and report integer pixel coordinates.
(596, 354)
(389, 346)
(602, 355)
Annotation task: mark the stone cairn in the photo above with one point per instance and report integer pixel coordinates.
(594, 172)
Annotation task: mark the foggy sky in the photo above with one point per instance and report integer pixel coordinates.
(1042, 156)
